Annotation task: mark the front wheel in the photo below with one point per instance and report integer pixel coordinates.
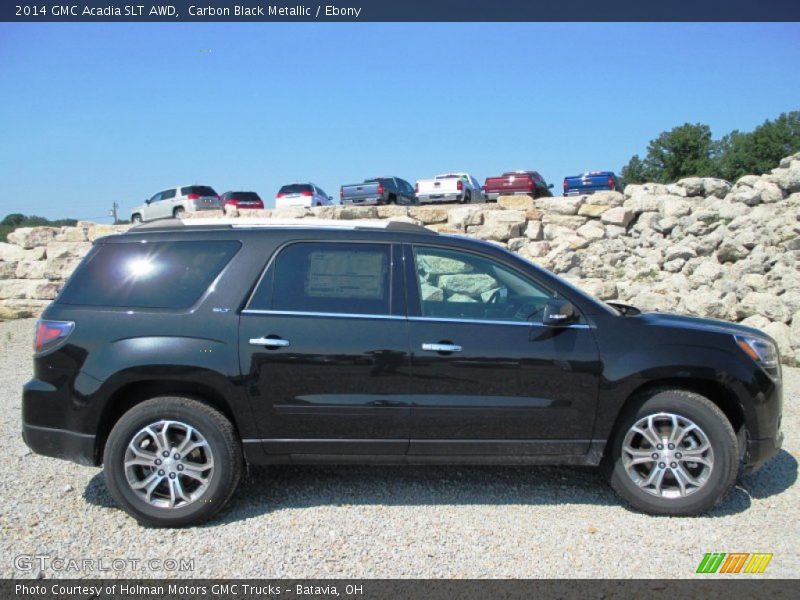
(172, 462)
(136, 219)
(676, 454)
(178, 213)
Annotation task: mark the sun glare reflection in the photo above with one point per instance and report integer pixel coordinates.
(140, 267)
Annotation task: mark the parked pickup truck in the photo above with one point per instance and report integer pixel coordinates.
(516, 182)
(380, 190)
(449, 187)
(591, 182)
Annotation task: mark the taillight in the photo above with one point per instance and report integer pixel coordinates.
(380, 189)
(416, 188)
(193, 196)
(610, 183)
(280, 195)
(231, 202)
(566, 187)
(459, 185)
(341, 193)
(308, 193)
(530, 183)
(48, 333)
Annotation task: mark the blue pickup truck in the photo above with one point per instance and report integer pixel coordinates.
(591, 182)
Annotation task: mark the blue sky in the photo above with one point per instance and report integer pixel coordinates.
(93, 113)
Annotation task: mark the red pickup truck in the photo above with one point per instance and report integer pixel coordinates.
(516, 182)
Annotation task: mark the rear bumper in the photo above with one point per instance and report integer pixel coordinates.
(60, 443)
(53, 425)
(432, 198)
(293, 203)
(193, 206)
(496, 195)
(585, 192)
(366, 201)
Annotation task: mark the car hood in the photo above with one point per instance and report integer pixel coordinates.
(699, 323)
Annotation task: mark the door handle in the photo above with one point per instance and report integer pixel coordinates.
(442, 347)
(269, 342)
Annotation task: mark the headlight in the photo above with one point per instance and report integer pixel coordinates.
(761, 351)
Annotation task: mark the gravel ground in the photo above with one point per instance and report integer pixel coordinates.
(386, 522)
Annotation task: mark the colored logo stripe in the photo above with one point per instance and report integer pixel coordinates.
(758, 563)
(711, 562)
(733, 563)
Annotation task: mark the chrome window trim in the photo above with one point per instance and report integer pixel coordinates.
(298, 313)
(493, 322)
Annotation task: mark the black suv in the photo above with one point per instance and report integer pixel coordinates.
(176, 352)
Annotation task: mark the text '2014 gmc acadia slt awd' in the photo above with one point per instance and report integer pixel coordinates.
(177, 352)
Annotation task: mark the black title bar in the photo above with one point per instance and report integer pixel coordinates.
(379, 589)
(94, 11)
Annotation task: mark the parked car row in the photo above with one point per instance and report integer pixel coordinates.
(458, 187)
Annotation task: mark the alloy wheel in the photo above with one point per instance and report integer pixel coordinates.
(667, 455)
(169, 464)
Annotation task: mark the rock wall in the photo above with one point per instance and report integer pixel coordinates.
(699, 246)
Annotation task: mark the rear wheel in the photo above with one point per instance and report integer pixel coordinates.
(676, 454)
(172, 462)
(467, 197)
(178, 213)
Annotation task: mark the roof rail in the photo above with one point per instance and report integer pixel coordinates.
(256, 223)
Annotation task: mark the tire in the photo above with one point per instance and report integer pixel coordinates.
(202, 500)
(136, 219)
(467, 198)
(392, 199)
(677, 496)
(178, 213)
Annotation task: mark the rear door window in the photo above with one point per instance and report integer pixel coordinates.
(320, 277)
(148, 275)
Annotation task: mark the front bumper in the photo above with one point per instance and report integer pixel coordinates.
(60, 443)
(760, 451)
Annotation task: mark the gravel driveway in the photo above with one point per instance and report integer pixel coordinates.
(383, 522)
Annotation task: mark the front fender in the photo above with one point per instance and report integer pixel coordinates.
(676, 364)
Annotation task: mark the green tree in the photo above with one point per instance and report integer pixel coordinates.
(757, 152)
(684, 151)
(634, 171)
(13, 220)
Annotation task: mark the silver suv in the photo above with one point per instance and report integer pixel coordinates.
(174, 202)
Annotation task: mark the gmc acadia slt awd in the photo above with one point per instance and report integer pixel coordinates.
(178, 351)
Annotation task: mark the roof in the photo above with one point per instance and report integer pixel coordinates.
(254, 223)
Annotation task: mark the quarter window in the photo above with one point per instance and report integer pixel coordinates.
(328, 278)
(148, 275)
(461, 285)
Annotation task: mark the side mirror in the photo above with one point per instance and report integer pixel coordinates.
(549, 186)
(147, 201)
(557, 313)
